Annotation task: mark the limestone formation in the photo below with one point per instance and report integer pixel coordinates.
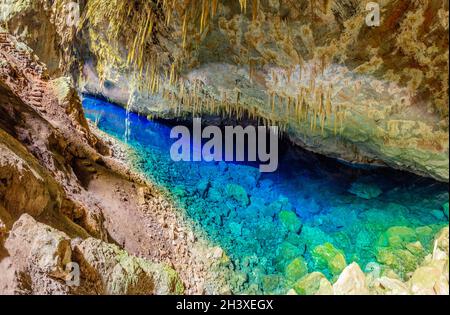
(116, 272)
(41, 258)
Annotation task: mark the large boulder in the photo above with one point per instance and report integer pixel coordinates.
(352, 281)
(42, 260)
(116, 272)
(389, 286)
(326, 256)
(365, 190)
(313, 284)
(238, 194)
(429, 280)
(400, 249)
(26, 187)
(39, 255)
(433, 276)
(290, 221)
(296, 269)
(38, 247)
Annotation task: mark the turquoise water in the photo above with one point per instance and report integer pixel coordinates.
(274, 226)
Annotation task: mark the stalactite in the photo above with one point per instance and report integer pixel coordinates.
(328, 100)
(274, 95)
(335, 124)
(243, 4)
(214, 8)
(172, 74)
(184, 29)
(255, 9)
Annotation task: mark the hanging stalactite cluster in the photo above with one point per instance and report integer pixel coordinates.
(311, 104)
(137, 23)
(142, 20)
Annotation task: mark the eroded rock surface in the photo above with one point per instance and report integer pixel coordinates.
(40, 258)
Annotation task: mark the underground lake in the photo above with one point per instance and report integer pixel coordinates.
(313, 214)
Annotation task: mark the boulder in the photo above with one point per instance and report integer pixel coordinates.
(402, 261)
(399, 248)
(42, 259)
(38, 256)
(38, 248)
(238, 193)
(352, 281)
(313, 284)
(389, 286)
(365, 190)
(397, 237)
(286, 252)
(442, 240)
(427, 280)
(445, 209)
(290, 221)
(271, 283)
(326, 256)
(116, 272)
(26, 187)
(296, 269)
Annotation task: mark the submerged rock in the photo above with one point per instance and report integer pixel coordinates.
(272, 283)
(365, 190)
(235, 229)
(401, 261)
(313, 284)
(397, 237)
(326, 256)
(296, 269)
(238, 193)
(438, 214)
(445, 209)
(290, 221)
(400, 249)
(286, 252)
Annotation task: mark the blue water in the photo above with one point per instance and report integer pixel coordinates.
(239, 208)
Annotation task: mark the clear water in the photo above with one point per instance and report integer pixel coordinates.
(245, 219)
